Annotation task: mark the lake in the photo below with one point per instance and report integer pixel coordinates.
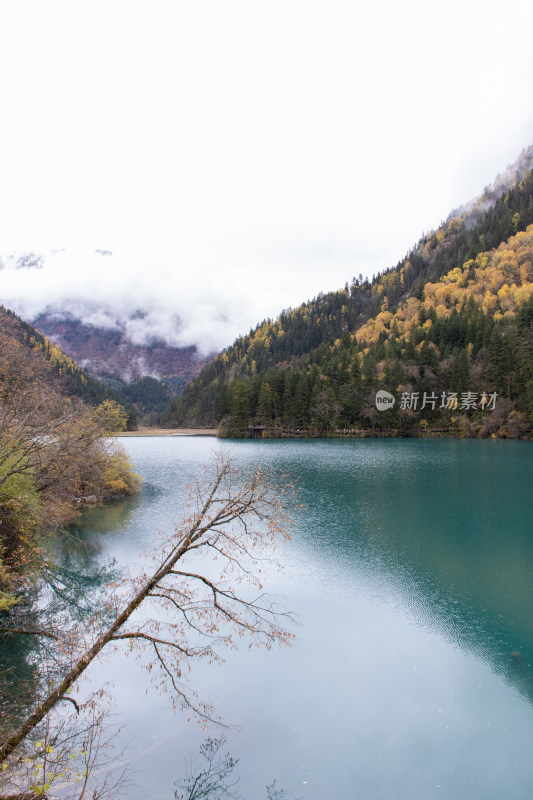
(410, 571)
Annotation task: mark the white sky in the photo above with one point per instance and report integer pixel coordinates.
(240, 157)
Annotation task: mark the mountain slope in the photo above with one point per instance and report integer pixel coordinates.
(109, 351)
(111, 316)
(317, 368)
(74, 381)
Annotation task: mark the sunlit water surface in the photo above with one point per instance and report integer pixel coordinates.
(411, 574)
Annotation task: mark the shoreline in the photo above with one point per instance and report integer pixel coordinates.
(362, 434)
(170, 432)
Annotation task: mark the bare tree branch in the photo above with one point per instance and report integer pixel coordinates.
(24, 632)
(237, 518)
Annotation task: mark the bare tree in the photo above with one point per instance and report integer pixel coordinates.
(75, 758)
(212, 777)
(202, 590)
(275, 793)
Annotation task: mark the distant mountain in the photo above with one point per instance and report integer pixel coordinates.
(140, 397)
(454, 316)
(102, 350)
(69, 378)
(81, 302)
(21, 261)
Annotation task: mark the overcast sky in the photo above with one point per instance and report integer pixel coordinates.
(239, 157)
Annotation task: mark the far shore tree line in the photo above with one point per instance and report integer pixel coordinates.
(332, 391)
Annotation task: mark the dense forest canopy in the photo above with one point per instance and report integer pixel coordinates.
(453, 315)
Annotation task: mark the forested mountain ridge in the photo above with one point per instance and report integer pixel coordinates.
(139, 397)
(313, 369)
(74, 380)
(106, 331)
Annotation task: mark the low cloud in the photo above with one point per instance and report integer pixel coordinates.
(148, 301)
(155, 298)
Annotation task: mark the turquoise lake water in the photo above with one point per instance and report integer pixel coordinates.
(411, 574)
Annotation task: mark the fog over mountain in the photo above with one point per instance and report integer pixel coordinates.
(180, 299)
(237, 159)
(216, 163)
(156, 300)
(146, 303)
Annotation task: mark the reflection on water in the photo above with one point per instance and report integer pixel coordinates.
(109, 518)
(410, 571)
(448, 524)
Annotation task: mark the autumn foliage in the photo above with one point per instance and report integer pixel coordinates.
(455, 315)
(54, 455)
